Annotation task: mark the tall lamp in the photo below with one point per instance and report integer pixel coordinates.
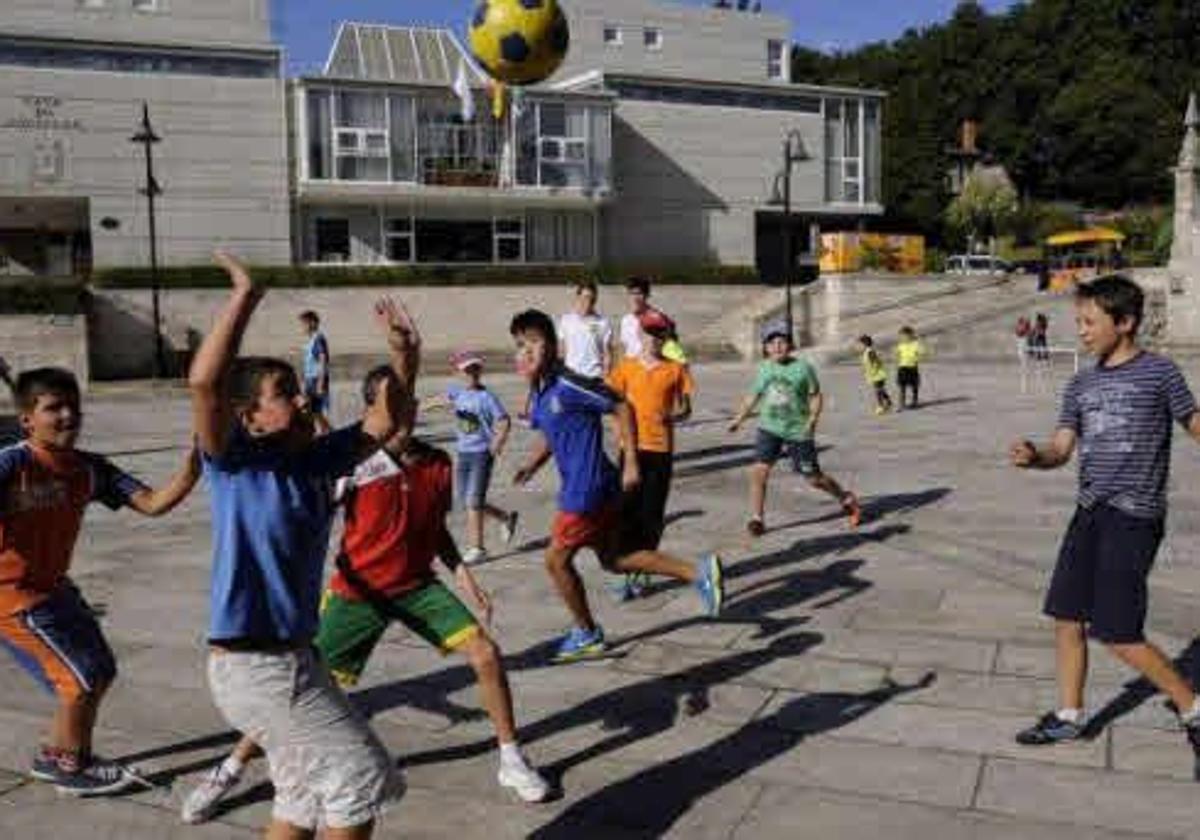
(147, 138)
(794, 151)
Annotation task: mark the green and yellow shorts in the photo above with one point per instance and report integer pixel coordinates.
(350, 630)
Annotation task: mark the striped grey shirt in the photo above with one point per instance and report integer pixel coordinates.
(1122, 416)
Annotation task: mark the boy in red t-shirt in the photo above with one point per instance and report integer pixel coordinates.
(46, 485)
(396, 505)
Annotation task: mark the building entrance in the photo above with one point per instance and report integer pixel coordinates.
(45, 237)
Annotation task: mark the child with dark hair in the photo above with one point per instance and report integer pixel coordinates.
(272, 484)
(316, 370)
(789, 392)
(909, 353)
(637, 289)
(875, 373)
(46, 484)
(1119, 415)
(568, 411)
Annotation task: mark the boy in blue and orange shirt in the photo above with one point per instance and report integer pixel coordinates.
(569, 412)
(46, 485)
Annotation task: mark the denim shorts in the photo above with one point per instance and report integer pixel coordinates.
(769, 447)
(472, 476)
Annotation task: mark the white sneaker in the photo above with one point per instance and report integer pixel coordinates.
(201, 803)
(527, 782)
(474, 555)
(508, 531)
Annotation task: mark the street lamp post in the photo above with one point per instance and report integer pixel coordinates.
(147, 138)
(794, 151)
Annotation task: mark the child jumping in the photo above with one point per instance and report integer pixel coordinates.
(792, 402)
(568, 411)
(46, 485)
(659, 392)
(482, 427)
(1119, 415)
(875, 373)
(396, 505)
(271, 481)
(909, 354)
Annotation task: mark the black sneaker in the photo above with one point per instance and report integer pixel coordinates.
(1050, 729)
(98, 778)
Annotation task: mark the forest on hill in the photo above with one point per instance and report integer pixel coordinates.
(1081, 100)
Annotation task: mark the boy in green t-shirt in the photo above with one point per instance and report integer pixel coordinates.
(789, 393)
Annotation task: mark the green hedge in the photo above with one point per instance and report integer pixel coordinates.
(205, 277)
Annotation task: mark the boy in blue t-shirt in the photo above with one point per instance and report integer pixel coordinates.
(482, 427)
(1119, 415)
(272, 481)
(316, 370)
(569, 412)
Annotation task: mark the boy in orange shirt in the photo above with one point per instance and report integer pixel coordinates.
(660, 393)
(46, 485)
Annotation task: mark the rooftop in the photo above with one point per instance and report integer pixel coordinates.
(378, 53)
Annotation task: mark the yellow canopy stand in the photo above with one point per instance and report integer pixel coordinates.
(1082, 237)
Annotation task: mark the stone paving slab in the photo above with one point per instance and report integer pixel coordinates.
(860, 683)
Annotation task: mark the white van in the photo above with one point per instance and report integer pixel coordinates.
(976, 264)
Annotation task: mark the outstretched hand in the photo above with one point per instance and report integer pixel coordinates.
(397, 324)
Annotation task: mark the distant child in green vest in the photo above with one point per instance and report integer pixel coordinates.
(790, 395)
(876, 373)
(909, 353)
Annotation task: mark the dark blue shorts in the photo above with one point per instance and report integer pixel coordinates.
(317, 403)
(1100, 577)
(769, 447)
(472, 477)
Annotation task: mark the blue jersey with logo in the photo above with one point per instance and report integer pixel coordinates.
(476, 412)
(569, 411)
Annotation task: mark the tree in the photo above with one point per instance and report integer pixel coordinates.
(984, 209)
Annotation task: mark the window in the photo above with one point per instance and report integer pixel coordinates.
(399, 239)
(19, 53)
(93, 4)
(563, 145)
(844, 147)
(145, 5)
(652, 38)
(560, 237)
(361, 144)
(612, 35)
(775, 60)
(723, 97)
(333, 240)
(454, 241)
(510, 240)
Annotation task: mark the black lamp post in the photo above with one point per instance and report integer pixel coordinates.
(147, 138)
(794, 151)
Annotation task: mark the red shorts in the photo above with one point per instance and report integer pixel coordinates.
(594, 530)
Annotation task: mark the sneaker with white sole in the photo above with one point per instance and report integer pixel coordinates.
(524, 780)
(508, 530)
(201, 803)
(474, 555)
(99, 777)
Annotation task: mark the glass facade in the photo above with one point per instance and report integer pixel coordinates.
(724, 97)
(363, 135)
(853, 158)
(21, 53)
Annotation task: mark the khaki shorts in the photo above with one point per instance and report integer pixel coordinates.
(327, 766)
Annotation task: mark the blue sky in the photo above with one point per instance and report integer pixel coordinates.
(306, 27)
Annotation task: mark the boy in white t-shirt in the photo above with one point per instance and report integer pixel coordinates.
(585, 336)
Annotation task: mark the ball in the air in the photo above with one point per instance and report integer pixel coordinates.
(519, 42)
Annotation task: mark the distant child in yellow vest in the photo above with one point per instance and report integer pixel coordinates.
(909, 353)
(876, 373)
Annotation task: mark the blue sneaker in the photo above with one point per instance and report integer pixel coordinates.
(1050, 729)
(580, 644)
(710, 584)
(629, 587)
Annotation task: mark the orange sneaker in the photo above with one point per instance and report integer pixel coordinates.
(853, 509)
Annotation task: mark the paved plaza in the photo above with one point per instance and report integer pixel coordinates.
(861, 684)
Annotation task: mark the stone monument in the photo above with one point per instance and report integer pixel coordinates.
(1183, 301)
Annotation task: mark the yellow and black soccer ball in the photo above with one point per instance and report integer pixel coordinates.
(519, 42)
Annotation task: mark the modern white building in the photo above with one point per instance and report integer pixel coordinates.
(74, 75)
(659, 141)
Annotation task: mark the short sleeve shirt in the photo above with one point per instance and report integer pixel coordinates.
(395, 513)
(586, 339)
(631, 335)
(652, 393)
(1123, 418)
(315, 351)
(909, 354)
(569, 411)
(476, 412)
(271, 516)
(784, 391)
(43, 496)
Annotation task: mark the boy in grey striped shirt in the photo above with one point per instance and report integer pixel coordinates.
(1120, 416)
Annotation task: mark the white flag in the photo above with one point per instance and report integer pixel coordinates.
(462, 87)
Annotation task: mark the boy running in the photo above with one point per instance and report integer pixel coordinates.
(46, 485)
(1119, 414)
(316, 370)
(659, 392)
(396, 505)
(792, 402)
(875, 373)
(271, 482)
(568, 411)
(909, 353)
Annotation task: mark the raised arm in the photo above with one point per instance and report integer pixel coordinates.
(208, 378)
(1053, 455)
(157, 502)
(403, 338)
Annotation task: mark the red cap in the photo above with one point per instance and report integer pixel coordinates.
(656, 323)
(464, 359)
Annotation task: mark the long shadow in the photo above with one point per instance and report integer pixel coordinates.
(924, 404)
(743, 456)
(712, 452)
(1138, 691)
(650, 802)
(877, 507)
